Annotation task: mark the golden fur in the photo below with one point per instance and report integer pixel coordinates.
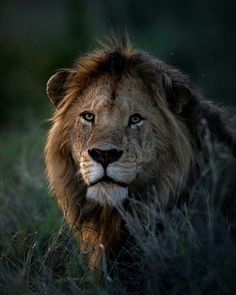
(114, 83)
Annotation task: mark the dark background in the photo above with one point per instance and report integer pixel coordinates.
(38, 37)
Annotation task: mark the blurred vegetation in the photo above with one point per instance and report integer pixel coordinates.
(36, 38)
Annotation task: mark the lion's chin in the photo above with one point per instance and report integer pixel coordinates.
(107, 194)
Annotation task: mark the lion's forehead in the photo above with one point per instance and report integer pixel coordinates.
(112, 114)
(114, 98)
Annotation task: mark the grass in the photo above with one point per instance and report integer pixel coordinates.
(34, 241)
(194, 254)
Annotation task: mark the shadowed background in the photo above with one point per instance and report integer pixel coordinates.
(38, 37)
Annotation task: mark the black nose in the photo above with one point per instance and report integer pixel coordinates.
(105, 157)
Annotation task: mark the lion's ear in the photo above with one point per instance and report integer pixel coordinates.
(56, 85)
(200, 115)
(178, 91)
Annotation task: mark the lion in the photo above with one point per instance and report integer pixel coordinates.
(124, 122)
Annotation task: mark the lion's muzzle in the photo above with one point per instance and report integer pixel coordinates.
(107, 174)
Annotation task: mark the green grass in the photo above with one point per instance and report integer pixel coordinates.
(38, 253)
(195, 254)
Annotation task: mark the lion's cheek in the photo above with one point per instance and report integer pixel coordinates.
(148, 153)
(124, 174)
(91, 173)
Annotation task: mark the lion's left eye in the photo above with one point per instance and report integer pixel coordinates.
(88, 116)
(135, 119)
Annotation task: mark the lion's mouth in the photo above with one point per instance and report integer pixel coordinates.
(108, 179)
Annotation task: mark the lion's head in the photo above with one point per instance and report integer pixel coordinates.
(125, 123)
(114, 121)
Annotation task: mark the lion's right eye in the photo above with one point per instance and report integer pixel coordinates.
(89, 117)
(136, 119)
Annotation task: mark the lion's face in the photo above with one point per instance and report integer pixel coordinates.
(112, 139)
(118, 130)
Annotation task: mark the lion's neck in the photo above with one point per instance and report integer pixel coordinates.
(99, 233)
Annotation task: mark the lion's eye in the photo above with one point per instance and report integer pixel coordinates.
(88, 116)
(135, 119)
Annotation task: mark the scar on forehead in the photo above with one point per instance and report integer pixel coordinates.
(113, 94)
(114, 87)
(116, 83)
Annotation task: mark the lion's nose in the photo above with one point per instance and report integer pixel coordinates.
(105, 157)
